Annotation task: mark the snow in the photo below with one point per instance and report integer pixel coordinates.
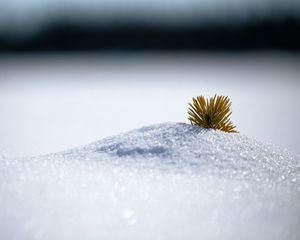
(67, 100)
(164, 181)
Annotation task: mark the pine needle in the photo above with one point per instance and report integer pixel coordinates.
(213, 113)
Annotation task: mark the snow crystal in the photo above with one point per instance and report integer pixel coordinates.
(166, 181)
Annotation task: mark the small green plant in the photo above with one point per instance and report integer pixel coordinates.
(213, 113)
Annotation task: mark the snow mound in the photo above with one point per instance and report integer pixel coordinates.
(166, 181)
(180, 147)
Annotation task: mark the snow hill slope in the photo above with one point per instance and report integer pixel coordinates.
(166, 181)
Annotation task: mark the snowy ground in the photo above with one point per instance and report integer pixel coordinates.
(50, 103)
(167, 181)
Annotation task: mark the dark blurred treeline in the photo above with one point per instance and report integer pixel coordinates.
(283, 34)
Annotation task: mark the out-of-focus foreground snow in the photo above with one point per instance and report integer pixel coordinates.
(166, 181)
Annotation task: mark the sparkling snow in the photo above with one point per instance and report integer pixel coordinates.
(165, 181)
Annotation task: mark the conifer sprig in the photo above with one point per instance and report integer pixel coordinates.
(213, 113)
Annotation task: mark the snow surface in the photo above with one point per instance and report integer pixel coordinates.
(165, 181)
(67, 100)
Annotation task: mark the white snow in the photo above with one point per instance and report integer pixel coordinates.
(67, 100)
(165, 181)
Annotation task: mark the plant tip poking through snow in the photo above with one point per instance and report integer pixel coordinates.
(214, 113)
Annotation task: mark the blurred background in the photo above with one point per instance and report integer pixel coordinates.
(74, 71)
